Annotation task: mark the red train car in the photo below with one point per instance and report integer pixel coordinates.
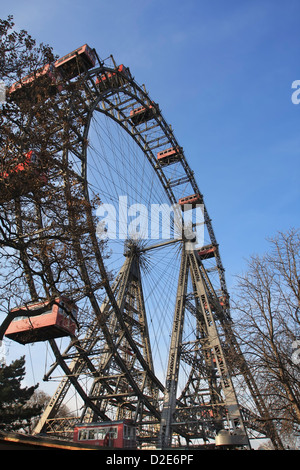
(207, 252)
(189, 202)
(50, 321)
(142, 114)
(46, 77)
(76, 62)
(113, 79)
(168, 156)
(114, 434)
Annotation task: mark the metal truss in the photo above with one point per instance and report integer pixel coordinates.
(114, 351)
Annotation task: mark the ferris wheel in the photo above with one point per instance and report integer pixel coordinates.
(133, 298)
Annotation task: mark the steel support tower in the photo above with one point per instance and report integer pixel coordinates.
(110, 364)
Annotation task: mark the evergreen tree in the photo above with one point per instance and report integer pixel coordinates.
(15, 412)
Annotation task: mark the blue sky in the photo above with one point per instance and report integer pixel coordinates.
(221, 72)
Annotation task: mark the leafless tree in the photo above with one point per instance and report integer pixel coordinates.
(266, 306)
(46, 220)
(41, 399)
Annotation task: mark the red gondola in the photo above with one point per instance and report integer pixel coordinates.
(113, 79)
(223, 301)
(22, 177)
(30, 161)
(48, 321)
(168, 156)
(76, 62)
(142, 114)
(115, 434)
(46, 77)
(207, 252)
(189, 202)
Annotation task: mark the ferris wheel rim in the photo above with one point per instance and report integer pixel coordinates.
(138, 95)
(208, 308)
(143, 98)
(138, 92)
